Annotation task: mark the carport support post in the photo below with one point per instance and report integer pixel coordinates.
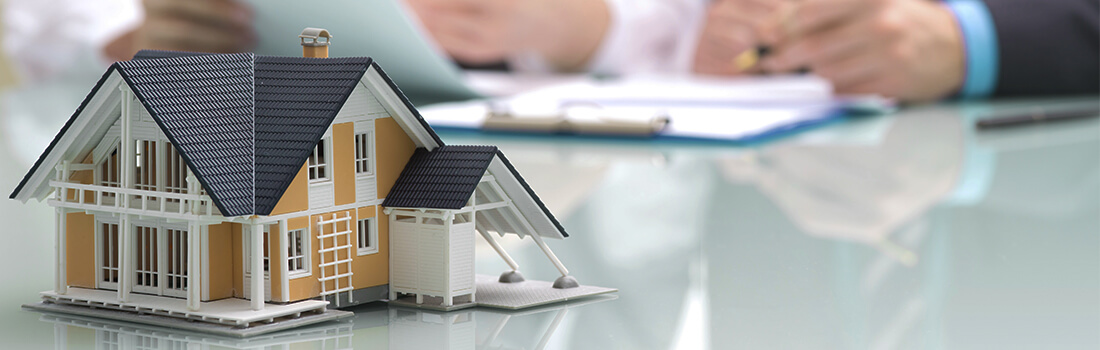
(550, 254)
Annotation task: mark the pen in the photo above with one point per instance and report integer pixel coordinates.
(1037, 116)
(750, 57)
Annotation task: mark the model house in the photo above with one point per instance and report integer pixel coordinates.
(242, 189)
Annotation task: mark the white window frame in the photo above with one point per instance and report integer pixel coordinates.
(371, 237)
(364, 159)
(100, 259)
(163, 254)
(306, 268)
(104, 178)
(315, 167)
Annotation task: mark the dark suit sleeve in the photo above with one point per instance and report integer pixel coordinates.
(1047, 46)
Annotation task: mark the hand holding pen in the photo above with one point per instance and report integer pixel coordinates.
(905, 49)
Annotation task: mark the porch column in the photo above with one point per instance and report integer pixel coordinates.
(61, 285)
(125, 258)
(257, 267)
(284, 268)
(194, 266)
(126, 179)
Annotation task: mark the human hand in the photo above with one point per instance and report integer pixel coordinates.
(188, 25)
(566, 33)
(911, 50)
(732, 28)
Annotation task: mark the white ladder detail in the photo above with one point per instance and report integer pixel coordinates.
(335, 248)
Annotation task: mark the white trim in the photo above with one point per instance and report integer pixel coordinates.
(78, 131)
(393, 104)
(61, 281)
(307, 262)
(204, 243)
(257, 264)
(313, 212)
(195, 258)
(372, 236)
(326, 165)
(360, 129)
(246, 255)
(526, 207)
(285, 280)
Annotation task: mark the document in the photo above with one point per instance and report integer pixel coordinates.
(742, 109)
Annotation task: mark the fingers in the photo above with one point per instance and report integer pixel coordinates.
(852, 72)
(809, 16)
(732, 28)
(829, 45)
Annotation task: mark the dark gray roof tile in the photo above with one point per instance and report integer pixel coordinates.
(443, 178)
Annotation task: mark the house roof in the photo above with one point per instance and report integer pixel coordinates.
(446, 177)
(243, 123)
(440, 179)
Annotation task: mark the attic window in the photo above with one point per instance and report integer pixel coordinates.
(318, 162)
(363, 153)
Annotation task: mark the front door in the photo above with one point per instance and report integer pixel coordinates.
(160, 260)
(246, 244)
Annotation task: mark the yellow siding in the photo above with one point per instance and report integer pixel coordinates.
(304, 287)
(237, 267)
(394, 148)
(343, 166)
(296, 197)
(80, 250)
(373, 269)
(275, 254)
(222, 257)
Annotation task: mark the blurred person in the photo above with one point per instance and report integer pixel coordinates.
(599, 36)
(58, 38)
(924, 50)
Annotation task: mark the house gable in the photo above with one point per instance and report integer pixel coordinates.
(77, 137)
(244, 124)
(204, 105)
(447, 177)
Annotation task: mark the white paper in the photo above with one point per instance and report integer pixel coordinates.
(729, 109)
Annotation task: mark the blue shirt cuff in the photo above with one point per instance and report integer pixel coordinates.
(980, 45)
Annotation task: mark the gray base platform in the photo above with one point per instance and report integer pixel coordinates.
(189, 325)
(511, 296)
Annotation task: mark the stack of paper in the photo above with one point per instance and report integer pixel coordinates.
(729, 109)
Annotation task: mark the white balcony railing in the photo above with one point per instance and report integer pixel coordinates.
(131, 201)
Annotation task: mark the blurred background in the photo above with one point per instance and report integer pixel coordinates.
(907, 230)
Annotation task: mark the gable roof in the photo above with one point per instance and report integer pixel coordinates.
(440, 179)
(446, 177)
(244, 124)
(204, 104)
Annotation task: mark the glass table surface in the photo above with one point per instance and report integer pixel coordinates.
(907, 231)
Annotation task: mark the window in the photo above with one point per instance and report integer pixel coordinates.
(147, 265)
(145, 176)
(367, 236)
(297, 253)
(364, 153)
(108, 254)
(318, 162)
(176, 178)
(177, 259)
(108, 170)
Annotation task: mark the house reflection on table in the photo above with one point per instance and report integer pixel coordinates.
(375, 326)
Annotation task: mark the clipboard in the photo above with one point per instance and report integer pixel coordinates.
(744, 111)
